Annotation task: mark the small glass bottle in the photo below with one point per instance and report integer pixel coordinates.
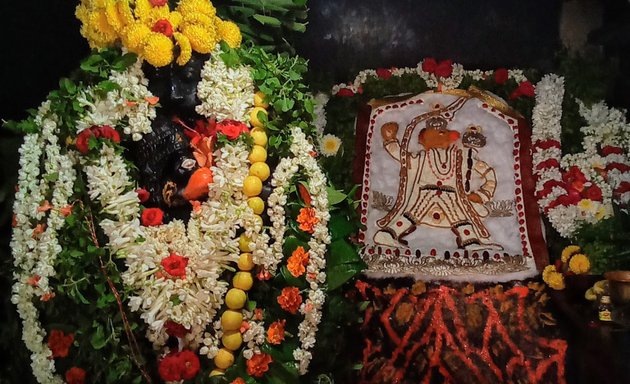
(605, 308)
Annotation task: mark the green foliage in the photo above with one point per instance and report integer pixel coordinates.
(280, 77)
(606, 243)
(270, 24)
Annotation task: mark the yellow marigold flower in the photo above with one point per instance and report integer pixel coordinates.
(548, 269)
(175, 18)
(201, 39)
(554, 280)
(133, 36)
(185, 50)
(142, 9)
(579, 264)
(100, 33)
(230, 33)
(158, 49)
(155, 14)
(198, 18)
(113, 17)
(568, 251)
(124, 12)
(196, 6)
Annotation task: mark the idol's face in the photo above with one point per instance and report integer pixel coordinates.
(176, 85)
(431, 138)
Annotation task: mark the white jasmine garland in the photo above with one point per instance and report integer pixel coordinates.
(34, 255)
(226, 93)
(126, 108)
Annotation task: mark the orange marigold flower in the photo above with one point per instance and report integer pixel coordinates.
(297, 262)
(307, 219)
(258, 364)
(290, 299)
(275, 333)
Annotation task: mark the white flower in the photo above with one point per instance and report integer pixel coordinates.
(329, 145)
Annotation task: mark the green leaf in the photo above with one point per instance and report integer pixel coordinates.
(291, 243)
(335, 196)
(341, 252)
(267, 20)
(340, 227)
(98, 339)
(337, 275)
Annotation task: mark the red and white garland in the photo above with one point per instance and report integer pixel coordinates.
(578, 188)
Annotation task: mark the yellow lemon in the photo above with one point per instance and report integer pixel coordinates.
(257, 154)
(260, 170)
(259, 137)
(252, 186)
(245, 262)
(235, 298)
(258, 220)
(243, 280)
(224, 359)
(232, 340)
(231, 320)
(256, 204)
(259, 100)
(258, 129)
(253, 117)
(217, 372)
(243, 243)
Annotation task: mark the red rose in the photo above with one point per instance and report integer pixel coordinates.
(593, 193)
(525, 88)
(75, 375)
(152, 217)
(444, 68)
(174, 329)
(106, 132)
(169, 368)
(164, 27)
(82, 141)
(501, 75)
(232, 128)
(143, 194)
(345, 92)
(429, 64)
(575, 178)
(59, 343)
(383, 73)
(189, 363)
(175, 265)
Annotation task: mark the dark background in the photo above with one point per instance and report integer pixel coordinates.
(42, 43)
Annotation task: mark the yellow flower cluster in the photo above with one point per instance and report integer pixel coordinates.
(579, 264)
(553, 278)
(154, 31)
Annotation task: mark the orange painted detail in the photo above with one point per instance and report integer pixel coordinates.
(444, 335)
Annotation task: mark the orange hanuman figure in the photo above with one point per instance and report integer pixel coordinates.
(437, 186)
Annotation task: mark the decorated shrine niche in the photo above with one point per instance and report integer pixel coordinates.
(447, 189)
